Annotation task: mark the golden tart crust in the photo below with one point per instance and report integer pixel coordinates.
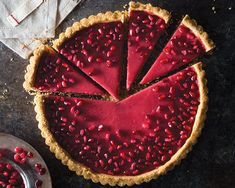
(199, 32)
(80, 169)
(162, 13)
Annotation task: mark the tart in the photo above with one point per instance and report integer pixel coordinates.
(95, 45)
(146, 24)
(187, 43)
(142, 136)
(131, 141)
(48, 72)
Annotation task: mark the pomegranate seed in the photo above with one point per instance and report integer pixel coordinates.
(131, 32)
(38, 167)
(113, 48)
(19, 150)
(42, 171)
(150, 17)
(107, 136)
(23, 155)
(109, 63)
(162, 26)
(148, 156)
(101, 31)
(17, 157)
(12, 181)
(89, 41)
(100, 127)
(8, 166)
(145, 21)
(145, 125)
(5, 173)
(84, 52)
(190, 36)
(90, 59)
(38, 183)
(141, 148)
(135, 172)
(110, 161)
(118, 133)
(101, 163)
(71, 128)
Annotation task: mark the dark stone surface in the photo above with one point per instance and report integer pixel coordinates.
(212, 160)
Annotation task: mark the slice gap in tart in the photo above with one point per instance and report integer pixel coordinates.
(131, 141)
(48, 72)
(146, 24)
(95, 45)
(188, 42)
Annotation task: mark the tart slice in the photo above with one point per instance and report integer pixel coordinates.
(146, 24)
(48, 72)
(187, 43)
(95, 45)
(128, 142)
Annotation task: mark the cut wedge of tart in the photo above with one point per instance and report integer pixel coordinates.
(95, 45)
(131, 141)
(146, 24)
(187, 43)
(48, 72)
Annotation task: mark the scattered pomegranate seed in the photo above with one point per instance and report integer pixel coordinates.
(38, 184)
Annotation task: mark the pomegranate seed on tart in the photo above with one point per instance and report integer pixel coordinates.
(146, 24)
(48, 72)
(131, 141)
(187, 43)
(95, 45)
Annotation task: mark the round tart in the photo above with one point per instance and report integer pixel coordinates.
(138, 138)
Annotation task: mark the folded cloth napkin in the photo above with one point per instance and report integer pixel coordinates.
(23, 45)
(27, 18)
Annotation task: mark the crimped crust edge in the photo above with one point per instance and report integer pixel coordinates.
(162, 13)
(32, 67)
(86, 22)
(199, 32)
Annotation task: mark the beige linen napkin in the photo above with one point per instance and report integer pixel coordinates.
(24, 46)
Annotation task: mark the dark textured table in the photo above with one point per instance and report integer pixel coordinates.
(212, 160)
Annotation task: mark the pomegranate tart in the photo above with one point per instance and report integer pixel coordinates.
(48, 72)
(146, 24)
(95, 45)
(187, 43)
(111, 141)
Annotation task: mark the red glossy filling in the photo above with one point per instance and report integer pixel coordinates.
(97, 50)
(182, 48)
(130, 137)
(55, 75)
(144, 31)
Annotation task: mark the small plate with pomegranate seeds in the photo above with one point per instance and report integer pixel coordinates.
(21, 165)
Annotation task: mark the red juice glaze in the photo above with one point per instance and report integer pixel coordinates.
(55, 75)
(97, 51)
(182, 48)
(144, 31)
(130, 137)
